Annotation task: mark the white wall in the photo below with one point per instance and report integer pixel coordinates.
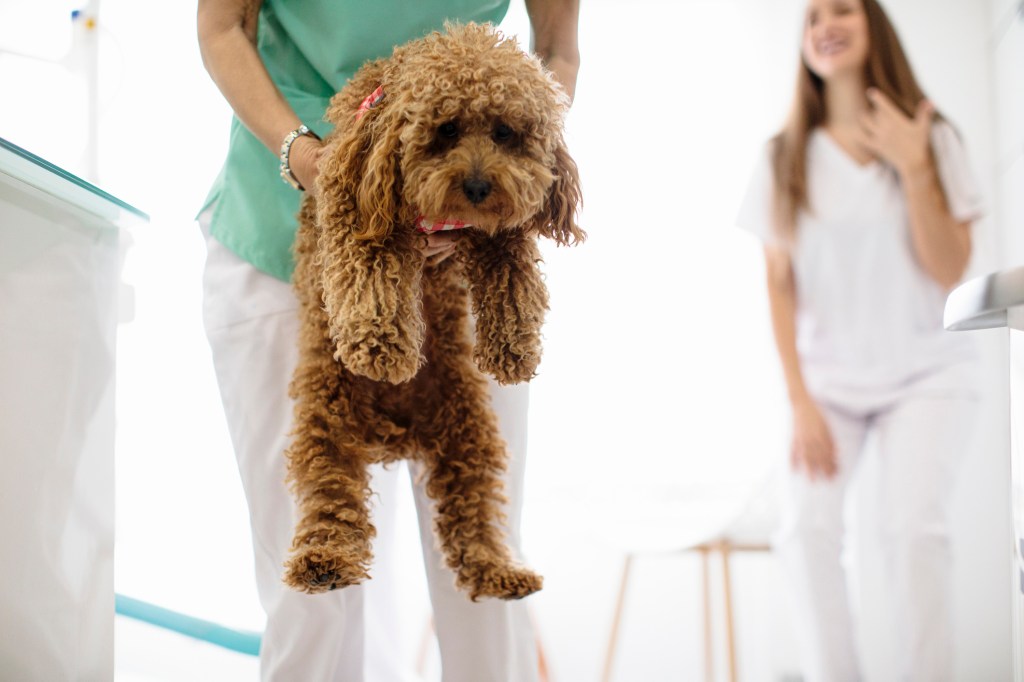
(1006, 50)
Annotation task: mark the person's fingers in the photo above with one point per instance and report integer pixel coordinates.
(436, 247)
(883, 105)
(816, 456)
(868, 124)
(828, 460)
(443, 239)
(924, 113)
(438, 258)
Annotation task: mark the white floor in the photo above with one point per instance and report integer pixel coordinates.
(145, 653)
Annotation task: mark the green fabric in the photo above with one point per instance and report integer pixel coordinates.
(311, 48)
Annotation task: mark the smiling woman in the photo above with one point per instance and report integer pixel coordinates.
(865, 202)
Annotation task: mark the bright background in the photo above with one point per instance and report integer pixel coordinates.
(658, 406)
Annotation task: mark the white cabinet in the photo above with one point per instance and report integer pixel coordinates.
(993, 301)
(59, 278)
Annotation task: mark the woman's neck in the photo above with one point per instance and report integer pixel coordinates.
(845, 100)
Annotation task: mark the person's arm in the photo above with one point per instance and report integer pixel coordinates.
(555, 24)
(812, 447)
(941, 242)
(227, 42)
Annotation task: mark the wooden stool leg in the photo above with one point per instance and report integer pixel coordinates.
(705, 581)
(542, 663)
(425, 641)
(616, 620)
(543, 675)
(730, 638)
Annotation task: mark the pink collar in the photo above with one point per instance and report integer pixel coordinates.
(427, 226)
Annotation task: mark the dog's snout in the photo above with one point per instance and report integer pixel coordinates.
(476, 189)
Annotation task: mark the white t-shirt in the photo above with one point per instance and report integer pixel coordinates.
(868, 317)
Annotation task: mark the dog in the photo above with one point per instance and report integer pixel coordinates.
(459, 127)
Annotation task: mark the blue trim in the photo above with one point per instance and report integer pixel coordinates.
(242, 641)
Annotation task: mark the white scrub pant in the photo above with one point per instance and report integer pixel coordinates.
(252, 323)
(922, 431)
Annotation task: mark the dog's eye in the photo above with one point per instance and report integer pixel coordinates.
(503, 134)
(448, 131)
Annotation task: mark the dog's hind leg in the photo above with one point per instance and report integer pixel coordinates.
(331, 546)
(464, 480)
(330, 482)
(466, 458)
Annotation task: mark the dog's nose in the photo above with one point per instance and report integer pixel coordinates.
(476, 190)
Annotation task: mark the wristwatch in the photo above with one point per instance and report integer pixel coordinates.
(286, 149)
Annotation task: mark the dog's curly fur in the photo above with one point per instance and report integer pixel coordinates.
(388, 367)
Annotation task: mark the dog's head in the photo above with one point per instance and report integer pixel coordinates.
(468, 127)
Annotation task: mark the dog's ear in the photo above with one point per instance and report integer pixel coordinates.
(557, 220)
(361, 168)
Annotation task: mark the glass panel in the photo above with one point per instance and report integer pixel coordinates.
(41, 174)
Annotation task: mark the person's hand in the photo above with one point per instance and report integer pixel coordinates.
(304, 160)
(437, 246)
(892, 136)
(813, 450)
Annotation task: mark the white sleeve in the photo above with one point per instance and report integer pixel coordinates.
(958, 181)
(755, 213)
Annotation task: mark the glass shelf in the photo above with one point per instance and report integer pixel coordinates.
(25, 167)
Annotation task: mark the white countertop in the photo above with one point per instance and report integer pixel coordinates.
(983, 302)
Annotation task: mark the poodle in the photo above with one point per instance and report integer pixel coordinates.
(458, 129)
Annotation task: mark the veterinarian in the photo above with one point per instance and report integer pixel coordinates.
(278, 64)
(865, 202)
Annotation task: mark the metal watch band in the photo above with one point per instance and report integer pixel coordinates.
(286, 149)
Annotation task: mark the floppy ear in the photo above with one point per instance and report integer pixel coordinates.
(360, 172)
(557, 220)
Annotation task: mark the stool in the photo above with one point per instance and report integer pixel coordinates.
(723, 546)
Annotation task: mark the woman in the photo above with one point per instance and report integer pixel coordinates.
(278, 64)
(865, 202)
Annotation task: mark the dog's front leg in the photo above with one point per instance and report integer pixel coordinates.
(372, 299)
(509, 302)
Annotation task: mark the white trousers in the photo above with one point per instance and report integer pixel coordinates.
(921, 433)
(252, 325)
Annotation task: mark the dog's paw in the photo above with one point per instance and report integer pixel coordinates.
(502, 581)
(318, 569)
(376, 357)
(509, 368)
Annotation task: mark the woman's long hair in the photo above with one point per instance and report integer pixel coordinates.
(887, 69)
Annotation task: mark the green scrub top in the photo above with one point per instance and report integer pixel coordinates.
(311, 48)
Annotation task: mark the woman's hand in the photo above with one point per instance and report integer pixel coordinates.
(304, 160)
(902, 142)
(812, 450)
(437, 246)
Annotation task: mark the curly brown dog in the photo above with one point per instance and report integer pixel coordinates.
(461, 125)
